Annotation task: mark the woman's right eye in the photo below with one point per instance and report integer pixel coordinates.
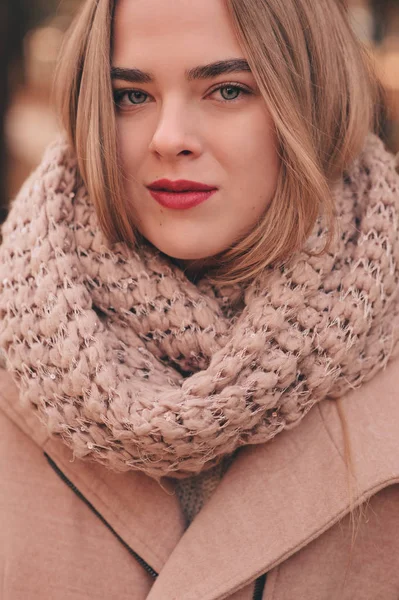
(125, 98)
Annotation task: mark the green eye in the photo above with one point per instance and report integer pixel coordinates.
(230, 92)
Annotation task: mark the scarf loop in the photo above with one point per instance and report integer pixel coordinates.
(133, 365)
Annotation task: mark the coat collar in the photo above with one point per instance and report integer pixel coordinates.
(275, 498)
(145, 515)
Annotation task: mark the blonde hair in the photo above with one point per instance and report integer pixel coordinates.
(318, 84)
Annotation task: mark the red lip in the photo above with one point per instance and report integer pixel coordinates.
(181, 185)
(181, 200)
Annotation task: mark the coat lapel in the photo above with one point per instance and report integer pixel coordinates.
(275, 499)
(145, 515)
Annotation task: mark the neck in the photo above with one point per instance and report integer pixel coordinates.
(195, 269)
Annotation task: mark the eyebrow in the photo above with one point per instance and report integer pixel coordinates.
(221, 67)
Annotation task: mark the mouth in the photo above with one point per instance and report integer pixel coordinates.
(181, 185)
(181, 194)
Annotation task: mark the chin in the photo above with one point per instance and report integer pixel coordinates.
(184, 254)
(184, 251)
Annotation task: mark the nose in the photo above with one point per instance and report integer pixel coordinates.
(174, 134)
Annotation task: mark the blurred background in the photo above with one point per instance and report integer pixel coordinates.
(31, 33)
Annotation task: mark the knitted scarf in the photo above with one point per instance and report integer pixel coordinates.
(135, 366)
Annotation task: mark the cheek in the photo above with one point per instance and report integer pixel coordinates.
(132, 145)
(256, 165)
(259, 140)
(249, 148)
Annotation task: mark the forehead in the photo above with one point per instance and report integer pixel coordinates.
(172, 32)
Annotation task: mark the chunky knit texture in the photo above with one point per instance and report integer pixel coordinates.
(133, 365)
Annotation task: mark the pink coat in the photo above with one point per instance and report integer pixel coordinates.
(72, 530)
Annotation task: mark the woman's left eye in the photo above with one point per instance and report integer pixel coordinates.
(230, 92)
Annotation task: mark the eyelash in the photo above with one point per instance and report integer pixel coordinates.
(119, 94)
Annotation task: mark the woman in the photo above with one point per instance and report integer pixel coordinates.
(200, 303)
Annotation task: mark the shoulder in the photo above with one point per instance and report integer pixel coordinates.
(55, 174)
(313, 524)
(365, 425)
(46, 528)
(357, 558)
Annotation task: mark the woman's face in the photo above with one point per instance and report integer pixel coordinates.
(188, 108)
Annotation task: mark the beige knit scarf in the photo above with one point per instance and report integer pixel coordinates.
(134, 365)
